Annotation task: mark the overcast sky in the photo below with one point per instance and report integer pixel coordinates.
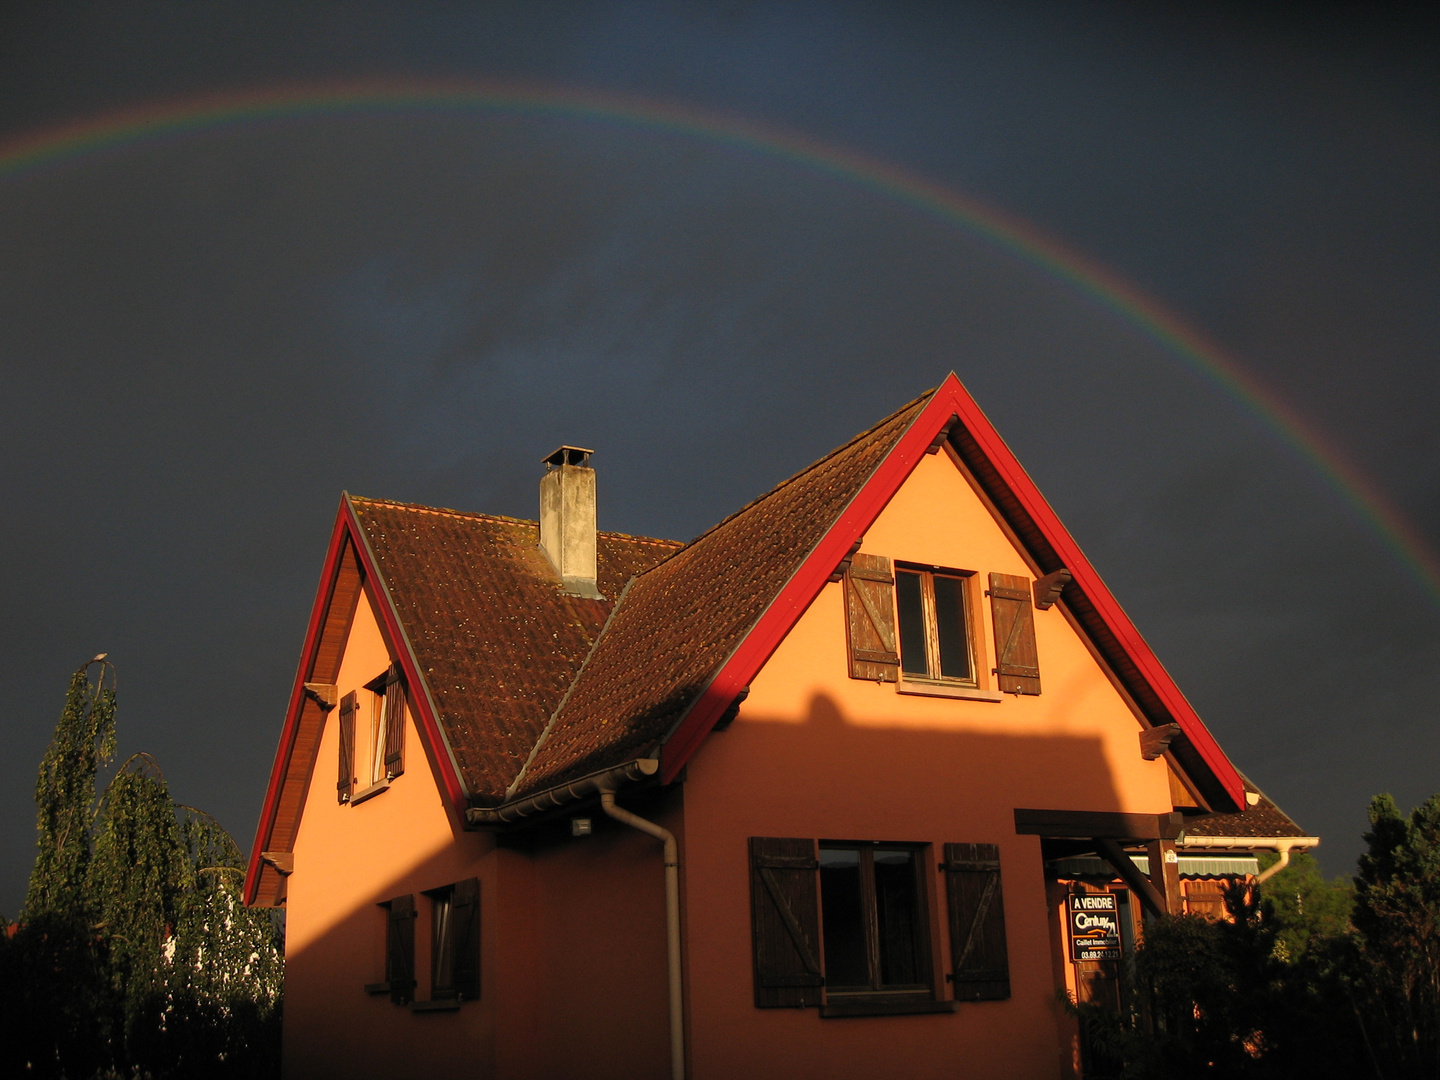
(206, 337)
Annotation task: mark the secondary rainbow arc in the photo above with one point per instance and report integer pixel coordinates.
(158, 121)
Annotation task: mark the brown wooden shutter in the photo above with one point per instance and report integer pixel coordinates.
(870, 619)
(465, 937)
(1017, 664)
(400, 950)
(394, 724)
(978, 959)
(345, 786)
(784, 922)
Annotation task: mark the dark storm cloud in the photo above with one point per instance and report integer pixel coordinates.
(205, 340)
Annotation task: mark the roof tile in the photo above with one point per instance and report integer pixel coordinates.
(1262, 819)
(678, 622)
(495, 636)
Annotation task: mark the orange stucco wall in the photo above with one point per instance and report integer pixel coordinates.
(817, 754)
(347, 860)
(573, 946)
(572, 932)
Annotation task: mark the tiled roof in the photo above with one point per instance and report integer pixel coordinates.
(678, 622)
(1262, 819)
(494, 635)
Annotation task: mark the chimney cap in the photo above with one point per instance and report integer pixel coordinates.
(568, 455)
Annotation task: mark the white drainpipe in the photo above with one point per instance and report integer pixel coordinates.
(672, 924)
(1282, 844)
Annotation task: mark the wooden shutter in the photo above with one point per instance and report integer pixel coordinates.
(784, 922)
(465, 938)
(345, 786)
(978, 959)
(400, 950)
(870, 619)
(1017, 664)
(394, 725)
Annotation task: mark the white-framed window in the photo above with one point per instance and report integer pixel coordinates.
(936, 642)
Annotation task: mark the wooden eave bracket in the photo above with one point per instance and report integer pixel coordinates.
(844, 567)
(282, 861)
(728, 716)
(323, 694)
(944, 433)
(1049, 587)
(1156, 740)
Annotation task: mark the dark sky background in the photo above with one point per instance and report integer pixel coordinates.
(204, 339)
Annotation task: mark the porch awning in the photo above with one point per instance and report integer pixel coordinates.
(1079, 866)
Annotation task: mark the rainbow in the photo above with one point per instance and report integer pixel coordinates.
(32, 154)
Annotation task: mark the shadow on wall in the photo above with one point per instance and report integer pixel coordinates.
(905, 773)
(822, 773)
(572, 939)
(572, 935)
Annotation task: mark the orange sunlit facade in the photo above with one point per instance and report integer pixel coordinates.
(868, 881)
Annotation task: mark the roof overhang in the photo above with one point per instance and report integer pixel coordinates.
(952, 415)
(349, 553)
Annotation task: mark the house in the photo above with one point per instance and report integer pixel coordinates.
(795, 798)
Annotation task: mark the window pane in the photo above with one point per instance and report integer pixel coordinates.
(377, 741)
(950, 627)
(912, 623)
(897, 909)
(443, 950)
(843, 918)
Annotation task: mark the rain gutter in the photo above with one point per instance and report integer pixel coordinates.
(1282, 844)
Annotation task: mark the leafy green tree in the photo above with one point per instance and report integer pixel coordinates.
(1305, 908)
(58, 1018)
(84, 740)
(1228, 998)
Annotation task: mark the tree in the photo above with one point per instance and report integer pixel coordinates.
(84, 740)
(1395, 971)
(1306, 909)
(135, 951)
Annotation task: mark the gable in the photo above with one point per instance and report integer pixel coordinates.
(1075, 743)
(476, 618)
(680, 650)
(346, 853)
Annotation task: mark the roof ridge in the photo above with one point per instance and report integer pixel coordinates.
(476, 515)
(795, 477)
(544, 735)
(834, 469)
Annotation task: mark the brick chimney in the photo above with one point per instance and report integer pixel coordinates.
(567, 519)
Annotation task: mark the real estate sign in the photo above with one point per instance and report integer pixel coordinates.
(1094, 927)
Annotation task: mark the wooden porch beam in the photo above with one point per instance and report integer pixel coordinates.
(1140, 885)
(1094, 824)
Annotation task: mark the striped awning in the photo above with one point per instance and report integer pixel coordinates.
(1080, 866)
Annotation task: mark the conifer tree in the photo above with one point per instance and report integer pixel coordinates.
(1397, 915)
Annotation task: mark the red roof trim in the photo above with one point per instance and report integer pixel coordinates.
(347, 529)
(951, 398)
(270, 807)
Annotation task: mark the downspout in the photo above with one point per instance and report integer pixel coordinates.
(672, 923)
(1280, 864)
